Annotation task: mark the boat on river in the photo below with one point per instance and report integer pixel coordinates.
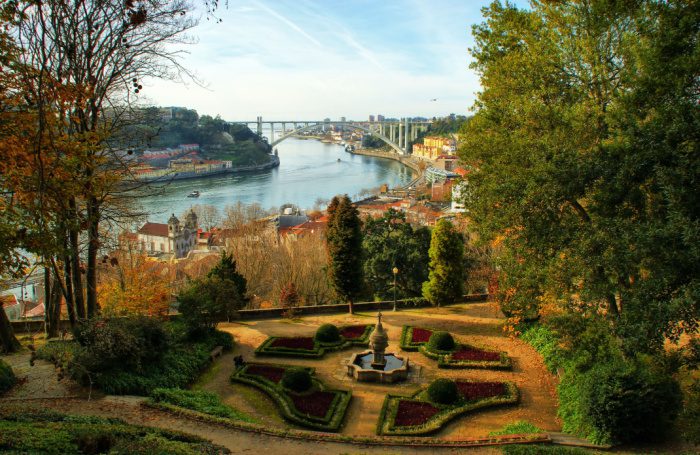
(193, 194)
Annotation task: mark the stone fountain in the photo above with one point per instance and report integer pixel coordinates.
(375, 365)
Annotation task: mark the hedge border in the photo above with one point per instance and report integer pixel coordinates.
(320, 349)
(447, 412)
(332, 421)
(290, 433)
(444, 358)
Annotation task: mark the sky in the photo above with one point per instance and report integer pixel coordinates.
(312, 59)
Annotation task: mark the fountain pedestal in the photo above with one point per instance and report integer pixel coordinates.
(375, 365)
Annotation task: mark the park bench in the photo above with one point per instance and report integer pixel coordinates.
(216, 352)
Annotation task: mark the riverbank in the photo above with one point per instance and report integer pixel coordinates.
(408, 161)
(273, 163)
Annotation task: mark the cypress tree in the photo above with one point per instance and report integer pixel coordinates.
(446, 268)
(344, 244)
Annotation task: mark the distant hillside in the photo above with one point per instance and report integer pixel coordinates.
(158, 128)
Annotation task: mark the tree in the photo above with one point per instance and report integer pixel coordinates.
(344, 245)
(390, 242)
(585, 148)
(446, 268)
(208, 301)
(225, 269)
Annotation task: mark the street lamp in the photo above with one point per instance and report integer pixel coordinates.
(395, 271)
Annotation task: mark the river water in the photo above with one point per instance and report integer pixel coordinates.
(308, 170)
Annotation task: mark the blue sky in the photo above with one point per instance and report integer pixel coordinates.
(306, 59)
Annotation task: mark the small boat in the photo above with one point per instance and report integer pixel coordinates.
(193, 194)
(339, 160)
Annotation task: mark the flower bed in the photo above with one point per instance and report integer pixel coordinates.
(462, 356)
(416, 415)
(318, 409)
(309, 347)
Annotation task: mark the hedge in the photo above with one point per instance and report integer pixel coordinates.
(444, 413)
(7, 377)
(331, 421)
(318, 349)
(53, 433)
(446, 359)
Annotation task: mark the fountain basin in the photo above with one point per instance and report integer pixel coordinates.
(360, 367)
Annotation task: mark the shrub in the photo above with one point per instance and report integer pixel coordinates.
(690, 430)
(618, 402)
(7, 377)
(443, 391)
(208, 301)
(328, 333)
(297, 379)
(441, 341)
(120, 343)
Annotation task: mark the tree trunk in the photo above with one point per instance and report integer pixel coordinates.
(53, 309)
(351, 310)
(8, 342)
(70, 302)
(75, 274)
(93, 247)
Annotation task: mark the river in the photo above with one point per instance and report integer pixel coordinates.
(308, 170)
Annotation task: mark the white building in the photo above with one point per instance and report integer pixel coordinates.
(171, 238)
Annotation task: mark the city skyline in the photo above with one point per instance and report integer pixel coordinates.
(312, 60)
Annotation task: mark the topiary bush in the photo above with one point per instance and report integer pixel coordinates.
(7, 377)
(441, 341)
(296, 379)
(443, 391)
(328, 333)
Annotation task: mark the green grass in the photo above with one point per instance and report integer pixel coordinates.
(519, 427)
(263, 403)
(207, 376)
(542, 449)
(200, 401)
(52, 433)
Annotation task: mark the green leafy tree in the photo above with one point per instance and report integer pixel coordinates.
(585, 149)
(390, 242)
(207, 302)
(446, 268)
(226, 269)
(344, 244)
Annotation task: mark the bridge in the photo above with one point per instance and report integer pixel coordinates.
(398, 134)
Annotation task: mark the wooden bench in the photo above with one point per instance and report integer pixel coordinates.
(216, 352)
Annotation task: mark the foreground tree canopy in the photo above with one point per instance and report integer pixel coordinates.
(586, 160)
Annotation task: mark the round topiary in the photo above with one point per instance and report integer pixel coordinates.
(441, 341)
(443, 391)
(296, 379)
(328, 333)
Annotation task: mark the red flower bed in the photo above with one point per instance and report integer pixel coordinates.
(315, 404)
(410, 413)
(467, 353)
(420, 335)
(477, 390)
(353, 331)
(274, 374)
(306, 343)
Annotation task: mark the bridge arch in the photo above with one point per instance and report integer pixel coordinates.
(385, 139)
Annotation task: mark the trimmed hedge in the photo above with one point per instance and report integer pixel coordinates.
(444, 412)
(297, 379)
(328, 333)
(319, 349)
(443, 391)
(7, 377)
(53, 433)
(441, 341)
(200, 401)
(288, 402)
(450, 358)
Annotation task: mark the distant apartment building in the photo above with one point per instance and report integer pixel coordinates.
(380, 118)
(371, 118)
(433, 147)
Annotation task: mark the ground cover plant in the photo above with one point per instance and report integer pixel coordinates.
(52, 433)
(441, 346)
(310, 405)
(7, 377)
(200, 401)
(429, 409)
(134, 356)
(328, 338)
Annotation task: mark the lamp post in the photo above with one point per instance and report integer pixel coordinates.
(395, 271)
